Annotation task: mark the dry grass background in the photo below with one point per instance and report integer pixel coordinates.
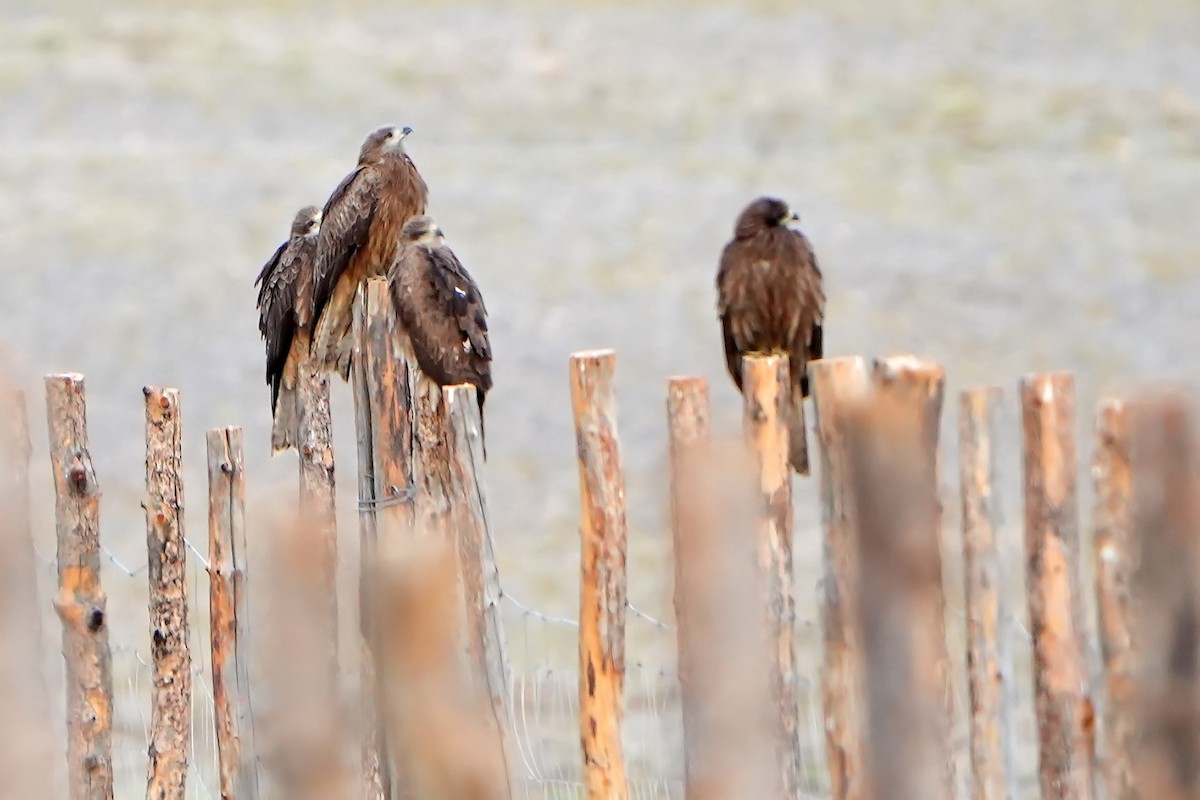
(1003, 187)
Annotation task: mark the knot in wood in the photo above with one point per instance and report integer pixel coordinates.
(307, 450)
(159, 637)
(164, 401)
(160, 518)
(79, 476)
(226, 467)
(95, 619)
(92, 762)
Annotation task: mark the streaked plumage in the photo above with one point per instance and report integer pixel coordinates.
(770, 299)
(285, 306)
(441, 309)
(360, 226)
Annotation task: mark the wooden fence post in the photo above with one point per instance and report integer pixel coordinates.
(81, 604)
(892, 466)
(1114, 548)
(687, 421)
(1066, 720)
(27, 761)
(989, 662)
(766, 389)
(835, 382)
(431, 456)
(317, 487)
(382, 414)
(1167, 592)
(602, 583)
(228, 601)
(171, 708)
(477, 564)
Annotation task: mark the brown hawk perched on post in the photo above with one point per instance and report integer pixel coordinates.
(441, 309)
(770, 300)
(285, 314)
(360, 227)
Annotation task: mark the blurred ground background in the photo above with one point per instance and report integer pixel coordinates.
(1002, 186)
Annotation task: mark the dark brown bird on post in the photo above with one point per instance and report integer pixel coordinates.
(441, 309)
(285, 314)
(770, 300)
(360, 226)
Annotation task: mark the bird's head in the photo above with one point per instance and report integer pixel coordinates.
(387, 139)
(307, 221)
(421, 229)
(765, 212)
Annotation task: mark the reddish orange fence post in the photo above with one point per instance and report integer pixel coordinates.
(835, 382)
(602, 583)
(1114, 548)
(81, 604)
(171, 709)
(989, 663)
(766, 389)
(1066, 719)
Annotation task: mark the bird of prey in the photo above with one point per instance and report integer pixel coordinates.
(285, 304)
(441, 309)
(770, 300)
(359, 230)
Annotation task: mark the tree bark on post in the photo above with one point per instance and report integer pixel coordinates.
(1115, 551)
(1066, 720)
(171, 708)
(834, 382)
(480, 578)
(431, 456)
(602, 583)
(1167, 588)
(314, 432)
(228, 602)
(989, 662)
(892, 458)
(81, 604)
(687, 421)
(382, 414)
(766, 389)
(27, 760)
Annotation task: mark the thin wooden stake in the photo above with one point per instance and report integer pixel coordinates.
(1115, 551)
(765, 386)
(687, 420)
(730, 716)
(81, 604)
(314, 432)
(892, 464)
(1166, 754)
(382, 413)
(834, 382)
(171, 708)
(602, 583)
(1066, 720)
(229, 612)
(27, 761)
(486, 647)
(989, 663)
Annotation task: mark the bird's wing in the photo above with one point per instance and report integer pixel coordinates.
(304, 258)
(276, 309)
(345, 223)
(461, 298)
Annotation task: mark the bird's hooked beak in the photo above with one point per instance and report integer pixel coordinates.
(438, 233)
(405, 131)
(792, 216)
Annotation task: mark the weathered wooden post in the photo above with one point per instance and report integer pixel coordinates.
(431, 456)
(317, 487)
(480, 578)
(382, 413)
(228, 602)
(989, 662)
(687, 421)
(27, 759)
(171, 706)
(1166, 758)
(1115, 551)
(81, 604)
(835, 382)
(892, 466)
(1066, 720)
(602, 583)
(766, 389)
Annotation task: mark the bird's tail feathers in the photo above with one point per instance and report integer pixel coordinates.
(797, 434)
(286, 423)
